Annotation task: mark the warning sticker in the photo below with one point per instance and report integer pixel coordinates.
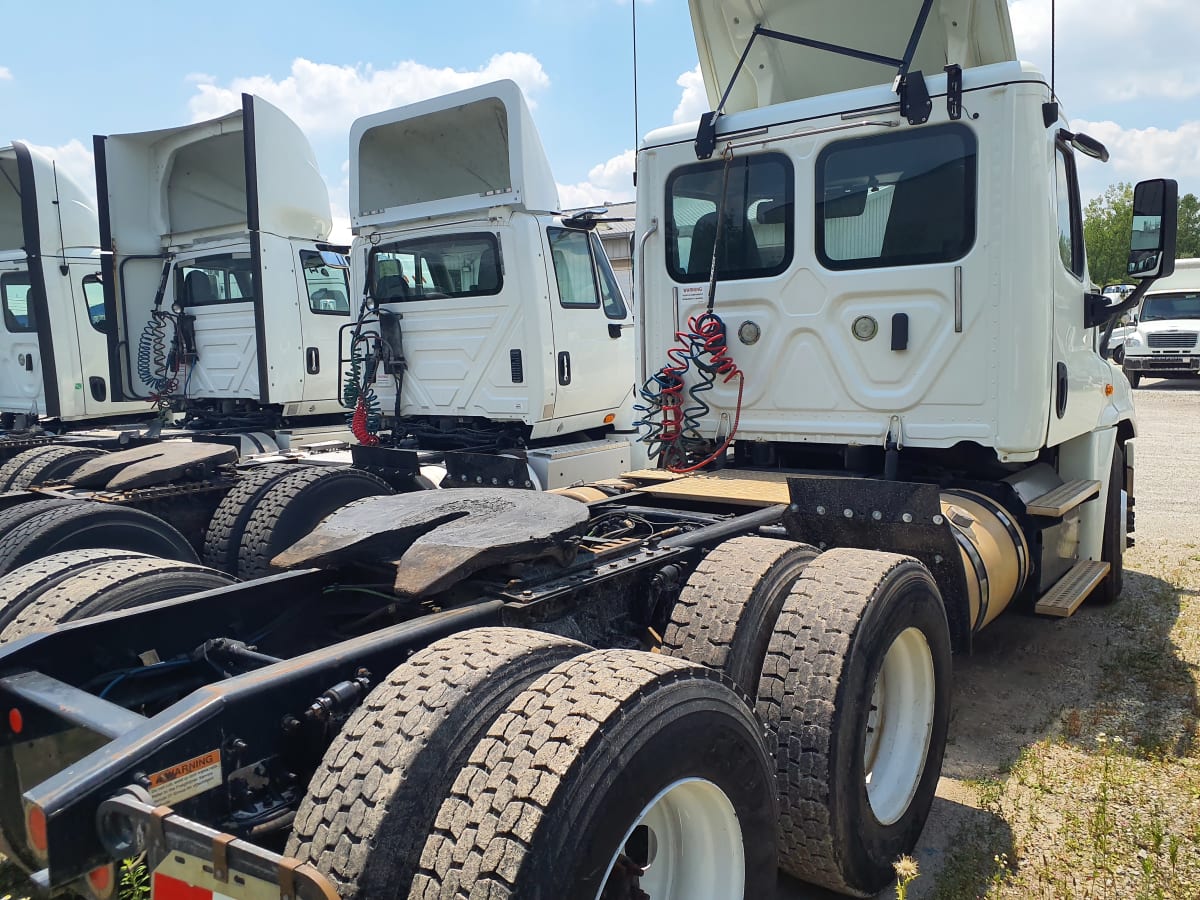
(186, 779)
(694, 292)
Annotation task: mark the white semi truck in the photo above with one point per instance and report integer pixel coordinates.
(874, 417)
(1165, 340)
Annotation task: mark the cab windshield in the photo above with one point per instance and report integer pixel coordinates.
(1171, 306)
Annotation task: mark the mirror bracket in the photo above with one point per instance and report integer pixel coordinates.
(1096, 310)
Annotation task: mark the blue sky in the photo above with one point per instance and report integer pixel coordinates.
(1128, 73)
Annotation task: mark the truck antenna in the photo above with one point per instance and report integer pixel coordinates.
(636, 130)
(1053, 95)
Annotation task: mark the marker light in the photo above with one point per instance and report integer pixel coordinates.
(35, 822)
(16, 721)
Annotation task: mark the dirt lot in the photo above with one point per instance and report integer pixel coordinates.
(1072, 769)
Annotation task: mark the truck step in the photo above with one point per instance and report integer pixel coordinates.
(1062, 499)
(1072, 589)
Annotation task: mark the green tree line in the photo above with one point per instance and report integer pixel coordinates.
(1106, 225)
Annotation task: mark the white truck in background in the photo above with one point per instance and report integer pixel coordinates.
(1165, 340)
(489, 324)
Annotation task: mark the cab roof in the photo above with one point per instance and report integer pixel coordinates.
(33, 189)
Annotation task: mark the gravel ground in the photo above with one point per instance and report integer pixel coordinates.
(1070, 769)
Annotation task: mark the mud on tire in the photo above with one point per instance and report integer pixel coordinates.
(372, 802)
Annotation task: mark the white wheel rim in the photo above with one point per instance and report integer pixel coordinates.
(691, 836)
(899, 726)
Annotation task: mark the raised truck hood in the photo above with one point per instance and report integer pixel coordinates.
(967, 32)
(462, 152)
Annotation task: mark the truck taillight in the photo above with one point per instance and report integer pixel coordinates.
(101, 882)
(35, 826)
(16, 721)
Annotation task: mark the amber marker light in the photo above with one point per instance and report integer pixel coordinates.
(1108, 390)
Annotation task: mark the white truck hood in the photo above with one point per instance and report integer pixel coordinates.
(462, 152)
(42, 211)
(967, 32)
(179, 185)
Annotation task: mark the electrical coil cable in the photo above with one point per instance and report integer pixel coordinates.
(673, 429)
(367, 416)
(152, 361)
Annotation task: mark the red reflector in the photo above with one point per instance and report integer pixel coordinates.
(16, 721)
(101, 880)
(37, 829)
(168, 888)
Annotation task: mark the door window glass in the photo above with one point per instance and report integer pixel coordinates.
(17, 302)
(757, 228)
(93, 299)
(436, 268)
(221, 278)
(573, 269)
(1070, 243)
(327, 279)
(897, 199)
(610, 290)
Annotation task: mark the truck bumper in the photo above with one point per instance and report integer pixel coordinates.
(1175, 364)
(190, 860)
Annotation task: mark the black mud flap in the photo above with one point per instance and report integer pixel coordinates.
(435, 539)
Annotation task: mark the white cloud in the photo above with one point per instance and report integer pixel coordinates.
(694, 102)
(73, 159)
(324, 99)
(1139, 153)
(5, 73)
(608, 182)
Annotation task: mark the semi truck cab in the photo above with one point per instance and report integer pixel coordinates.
(1164, 342)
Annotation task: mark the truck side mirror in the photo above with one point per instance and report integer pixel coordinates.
(1155, 218)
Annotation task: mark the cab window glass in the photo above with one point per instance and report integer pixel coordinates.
(757, 228)
(897, 199)
(573, 268)
(221, 278)
(327, 279)
(436, 268)
(16, 301)
(93, 299)
(610, 290)
(1070, 244)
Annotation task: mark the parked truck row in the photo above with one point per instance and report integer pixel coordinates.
(871, 415)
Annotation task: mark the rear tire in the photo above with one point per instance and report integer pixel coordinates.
(726, 612)
(23, 512)
(373, 800)
(223, 537)
(40, 464)
(1135, 378)
(22, 586)
(855, 695)
(292, 506)
(607, 762)
(91, 524)
(120, 584)
(1115, 535)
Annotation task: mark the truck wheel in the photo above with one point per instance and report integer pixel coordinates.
(22, 512)
(119, 584)
(291, 508)
(727, 610)
(224, 533)
(22, 586)
(91, 524)
(1135, 378)
(614, 774)
(1112, 550)
(855, 695)
(373, 800)
(40, 464)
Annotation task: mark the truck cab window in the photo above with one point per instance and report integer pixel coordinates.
(328, 284)
(610, 291)
(1070, 228)
(14, 296)
(897, 199)
(757, 230)
(436, 268)
(93, 299)
(221, 278)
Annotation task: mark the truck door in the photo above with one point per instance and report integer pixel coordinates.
(218, 292)
(20, 362)
(593, 353)
(324, 285)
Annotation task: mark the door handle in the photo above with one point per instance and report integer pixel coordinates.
(312, 360)
(26, 360)
(564, 368)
